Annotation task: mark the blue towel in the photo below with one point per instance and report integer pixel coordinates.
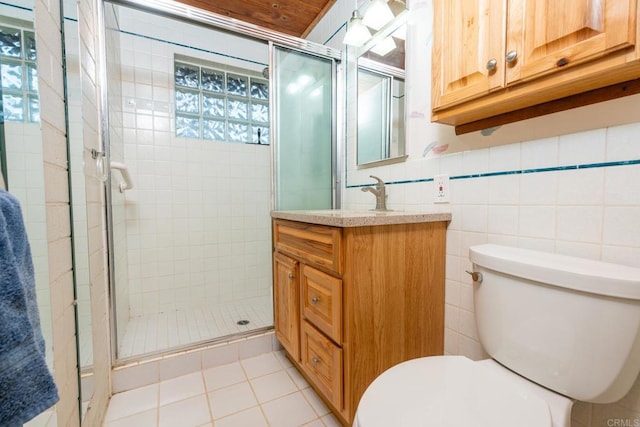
(26, 385)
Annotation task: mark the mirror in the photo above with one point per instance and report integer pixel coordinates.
(376, 98)
(22, 152)
(381, 117)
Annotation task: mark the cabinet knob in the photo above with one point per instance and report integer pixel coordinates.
(511, 57)
(492, 64)
(315, 300)
(291, 276)
(315, 361)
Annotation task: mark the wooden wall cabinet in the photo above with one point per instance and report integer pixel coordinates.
(351, 302)
(496, 56)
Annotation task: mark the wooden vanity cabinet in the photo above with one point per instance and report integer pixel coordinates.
(369, 298)
(499, 56)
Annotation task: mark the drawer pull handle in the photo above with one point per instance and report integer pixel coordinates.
(315, 362)
(315, 300)
(291, 276)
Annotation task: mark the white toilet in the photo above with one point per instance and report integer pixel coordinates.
(557, 328)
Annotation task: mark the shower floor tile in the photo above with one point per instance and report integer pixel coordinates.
(160, 331)
(237, 405)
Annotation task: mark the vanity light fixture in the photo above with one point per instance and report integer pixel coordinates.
(357, 33)
(378, 14)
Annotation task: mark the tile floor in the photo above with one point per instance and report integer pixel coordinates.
(160, 331)
(265, 390)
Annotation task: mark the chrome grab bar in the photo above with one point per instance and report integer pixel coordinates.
(127, 183)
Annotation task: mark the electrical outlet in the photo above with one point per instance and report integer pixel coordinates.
(441, 189)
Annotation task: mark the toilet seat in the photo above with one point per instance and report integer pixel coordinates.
(450, 391)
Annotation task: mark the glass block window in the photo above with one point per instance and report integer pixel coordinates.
(218, 105)
(19, 75)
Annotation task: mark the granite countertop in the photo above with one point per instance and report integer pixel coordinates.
(361, 218)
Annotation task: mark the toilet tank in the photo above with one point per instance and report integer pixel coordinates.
(569, 324)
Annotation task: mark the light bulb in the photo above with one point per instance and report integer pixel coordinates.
(357, 34)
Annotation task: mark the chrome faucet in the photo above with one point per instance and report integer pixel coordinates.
(380, 193)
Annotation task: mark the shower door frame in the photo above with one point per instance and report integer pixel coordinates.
(192, 15)
(336, 135)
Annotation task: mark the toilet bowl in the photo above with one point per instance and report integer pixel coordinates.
(455, 391)
(535, 317)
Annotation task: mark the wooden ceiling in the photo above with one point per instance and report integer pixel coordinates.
(294, 17)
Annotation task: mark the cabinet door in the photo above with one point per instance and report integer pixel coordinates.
(549, 35)
(286, 303)
(467, 35)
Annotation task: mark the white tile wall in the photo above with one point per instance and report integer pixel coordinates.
(116, 153)
(53, 128)
(197, 221)
(90, 88)
(81, 248)
(590, 212)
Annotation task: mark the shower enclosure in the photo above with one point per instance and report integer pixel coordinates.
(188, 162)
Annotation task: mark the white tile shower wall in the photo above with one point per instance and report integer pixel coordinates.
(198, 229)
(81, 248)
(89, 65)
(587, 212)
(116, 153)
(54, 143)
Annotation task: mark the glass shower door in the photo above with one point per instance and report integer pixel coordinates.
(188, 121)
(304, 167)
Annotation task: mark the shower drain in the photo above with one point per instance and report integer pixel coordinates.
(242, 322)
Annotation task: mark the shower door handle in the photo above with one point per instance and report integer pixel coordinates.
(101, 172)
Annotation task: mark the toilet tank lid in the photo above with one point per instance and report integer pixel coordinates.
(581, 274)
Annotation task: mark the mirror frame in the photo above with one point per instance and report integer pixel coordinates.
(353, 60)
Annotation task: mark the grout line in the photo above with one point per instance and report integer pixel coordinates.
(206, 395)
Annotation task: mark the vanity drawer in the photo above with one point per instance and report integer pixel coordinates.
(322, 362)
(315, 244)
(322, 301)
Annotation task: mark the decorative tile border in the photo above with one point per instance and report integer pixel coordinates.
(28, 9)
(514, 172)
